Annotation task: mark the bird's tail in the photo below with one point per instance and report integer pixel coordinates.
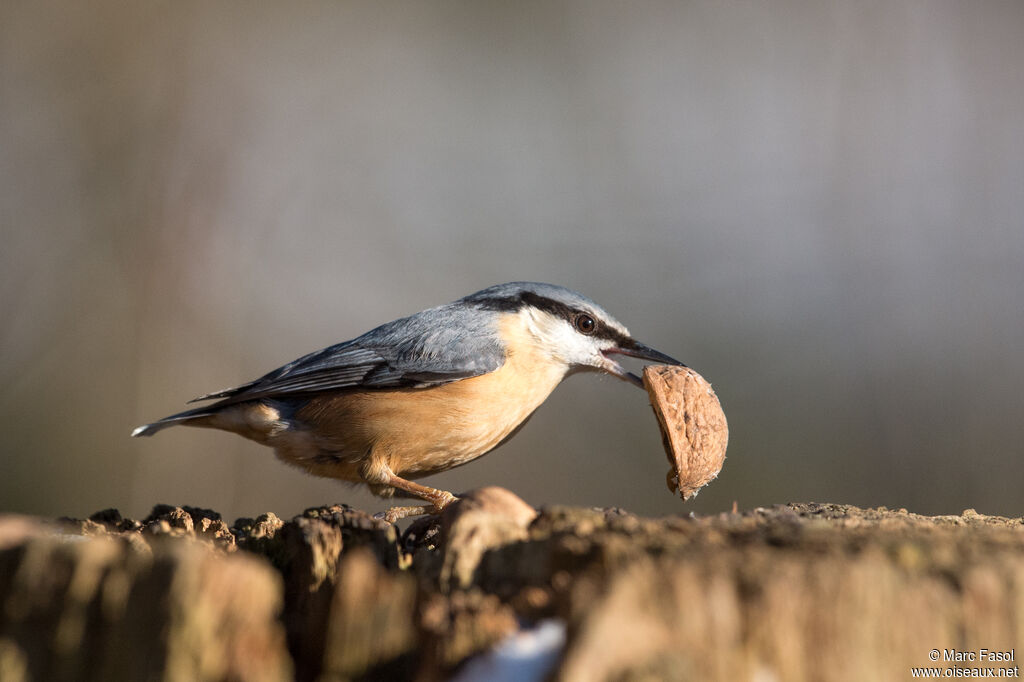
(181, 418)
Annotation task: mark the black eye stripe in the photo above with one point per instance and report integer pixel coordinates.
(549, 305)
(601, 330)
(567, 313)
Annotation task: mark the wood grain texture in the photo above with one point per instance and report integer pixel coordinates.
(798, 592)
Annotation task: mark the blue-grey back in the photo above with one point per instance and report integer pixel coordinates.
(454, 341)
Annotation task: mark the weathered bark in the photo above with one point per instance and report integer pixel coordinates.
(121, 608)
(795, 592)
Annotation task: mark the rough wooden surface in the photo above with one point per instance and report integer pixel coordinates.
(794, 592)
(122, 607)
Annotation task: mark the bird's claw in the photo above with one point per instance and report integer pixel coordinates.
(397, 513)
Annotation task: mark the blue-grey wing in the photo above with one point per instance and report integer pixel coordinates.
(433, 347)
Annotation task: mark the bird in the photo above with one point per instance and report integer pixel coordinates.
(424, 393)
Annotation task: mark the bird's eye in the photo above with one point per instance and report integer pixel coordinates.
(585, 324)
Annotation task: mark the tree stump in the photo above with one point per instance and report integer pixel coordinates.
(793, 592)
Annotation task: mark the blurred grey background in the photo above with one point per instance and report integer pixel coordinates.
(817, 205)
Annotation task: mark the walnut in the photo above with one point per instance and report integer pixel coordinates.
(693, 426)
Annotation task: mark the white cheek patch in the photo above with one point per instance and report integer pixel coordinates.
(558, 339)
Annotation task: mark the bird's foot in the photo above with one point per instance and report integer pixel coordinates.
(398, 513)
(443, 500)
(440, 501)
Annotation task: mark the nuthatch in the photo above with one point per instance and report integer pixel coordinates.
(425, 393)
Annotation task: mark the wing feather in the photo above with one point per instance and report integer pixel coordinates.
(436, 346)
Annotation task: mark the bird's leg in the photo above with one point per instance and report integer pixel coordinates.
(439, 499)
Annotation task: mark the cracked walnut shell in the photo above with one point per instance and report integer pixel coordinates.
(693, 426)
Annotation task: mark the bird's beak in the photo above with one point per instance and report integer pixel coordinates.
(634, 349)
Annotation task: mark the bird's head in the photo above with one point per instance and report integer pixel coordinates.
(569, 328)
